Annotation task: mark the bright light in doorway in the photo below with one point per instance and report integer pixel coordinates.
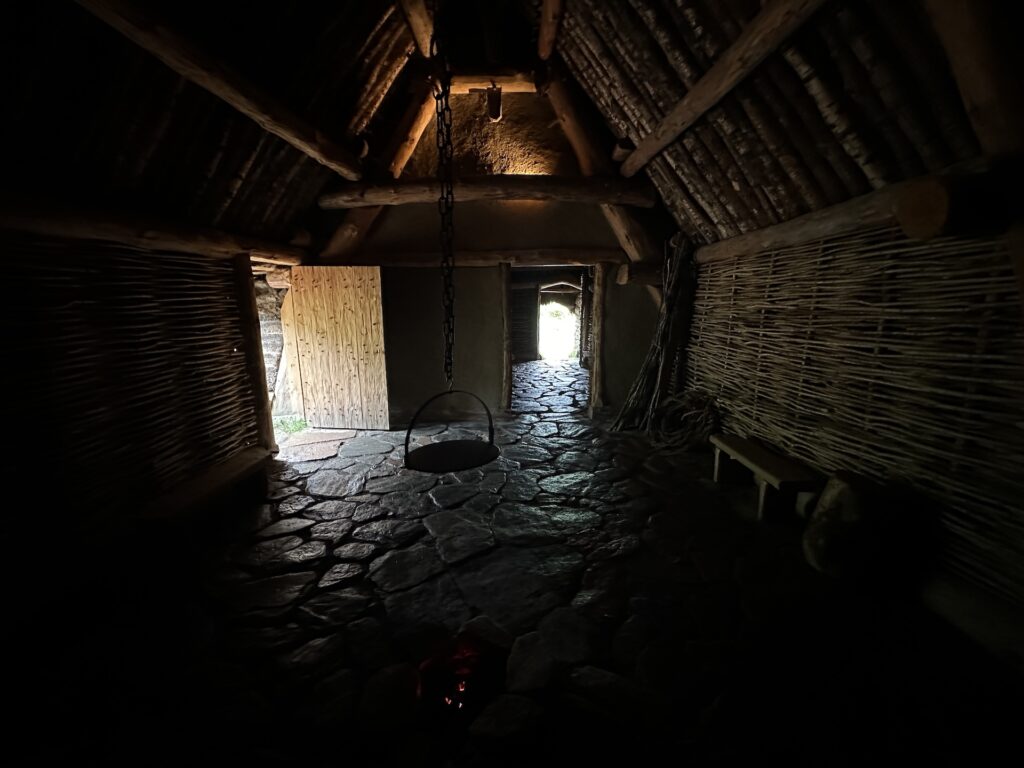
(558, 332)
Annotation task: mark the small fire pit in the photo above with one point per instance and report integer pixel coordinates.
(457, 683)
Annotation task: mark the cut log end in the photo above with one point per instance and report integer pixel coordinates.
(923, 208)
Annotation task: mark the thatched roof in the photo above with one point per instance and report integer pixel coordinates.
(861, 96)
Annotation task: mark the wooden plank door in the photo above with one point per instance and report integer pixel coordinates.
(339, 333)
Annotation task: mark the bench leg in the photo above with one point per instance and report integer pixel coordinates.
(764, 494)
(773, 504)
(728, 470)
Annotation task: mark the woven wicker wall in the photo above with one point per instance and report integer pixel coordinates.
(895, 358)
(131, 369)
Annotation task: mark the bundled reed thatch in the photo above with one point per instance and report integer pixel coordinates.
(899, 359)
(859, 98)
(133, 367)
(659, 369)
(150, 141)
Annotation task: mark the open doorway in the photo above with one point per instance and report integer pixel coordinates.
(558, 331)
(549, 340)
(558, 326)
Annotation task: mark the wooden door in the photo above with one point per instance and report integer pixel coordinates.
(339, 335)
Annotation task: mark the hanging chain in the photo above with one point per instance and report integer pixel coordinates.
(446, 201)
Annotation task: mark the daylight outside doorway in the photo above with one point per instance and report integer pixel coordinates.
(559, 332)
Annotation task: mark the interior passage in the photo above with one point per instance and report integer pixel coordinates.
(550, 387)
(736, 285)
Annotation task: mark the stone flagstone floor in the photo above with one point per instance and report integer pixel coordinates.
(601, 577)
(582, 600)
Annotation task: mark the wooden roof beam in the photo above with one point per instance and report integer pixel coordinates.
(350, 235)
(777, 20)
(145, 233)
(539, 188)
(135, 21)
(550, 18)
(509, 82)
(593, 161)
(410, 129)
(631, 235)
(532, 257)
(985, 63)
(644, 273)
(965, 204)
(420, 23)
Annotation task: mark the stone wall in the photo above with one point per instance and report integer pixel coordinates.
(268, 302)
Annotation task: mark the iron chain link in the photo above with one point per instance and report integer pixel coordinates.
(446, 200)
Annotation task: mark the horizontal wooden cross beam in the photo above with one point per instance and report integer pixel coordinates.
(532, 257)
(145, 233)
(591, 190)
(509, 82)
(639, 272)
(966, 203)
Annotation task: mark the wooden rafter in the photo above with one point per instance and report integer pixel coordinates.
(135, 21)
(593, 161)
(983, 67)
(145, 233)
(420, 23)
(414, 122)
(769, 29)
(550, 17)
(539, 188)
(350, 235)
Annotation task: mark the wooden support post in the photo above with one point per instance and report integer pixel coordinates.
(506, 336)
(134, 20)
(597, 343)
(550, 18)
(776, 22)
(586, 307)
(540, 188)
(254, 365)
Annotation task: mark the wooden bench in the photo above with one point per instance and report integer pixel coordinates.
(787, 477)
